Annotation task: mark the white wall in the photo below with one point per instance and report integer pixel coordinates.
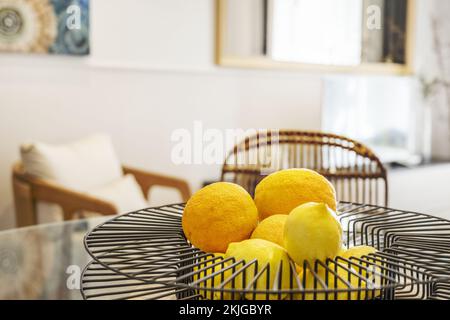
(151, 71)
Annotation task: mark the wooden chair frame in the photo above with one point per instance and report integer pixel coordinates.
(28, 190)
(356, 172)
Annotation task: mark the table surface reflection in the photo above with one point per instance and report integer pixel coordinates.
(44, 261)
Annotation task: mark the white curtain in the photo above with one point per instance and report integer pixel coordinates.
(316, 31)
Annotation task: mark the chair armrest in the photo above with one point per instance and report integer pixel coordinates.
(71, 201)
(147, 180)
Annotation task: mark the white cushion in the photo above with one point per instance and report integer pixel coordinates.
(81, 165)
(89, 165)
(48, 212)
(160, 195)
(125, 193)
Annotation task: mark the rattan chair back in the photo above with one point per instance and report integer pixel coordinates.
(356, 172)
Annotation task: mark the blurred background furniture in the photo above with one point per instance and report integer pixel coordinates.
(79, 179)
(355, 171)
(44, 261)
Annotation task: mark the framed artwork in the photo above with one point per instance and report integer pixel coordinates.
(45, 26)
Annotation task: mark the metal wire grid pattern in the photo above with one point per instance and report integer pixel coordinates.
(144, 255)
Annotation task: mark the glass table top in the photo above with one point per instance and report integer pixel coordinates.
(44, 261)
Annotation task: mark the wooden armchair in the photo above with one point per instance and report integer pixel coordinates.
(28, 190)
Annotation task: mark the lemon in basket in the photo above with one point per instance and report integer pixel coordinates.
(341, 251)
(358, 252)
(271, 229)
(349, 282)
(312, 232)
(217, 215)
(282, 191)
(209, 273)
(342, 284)
(265, 253)
(370, 267)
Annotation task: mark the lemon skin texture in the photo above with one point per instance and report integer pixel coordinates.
(217, 215)
(271, 229)
(266, 253)
(282, 191)
(312, 232)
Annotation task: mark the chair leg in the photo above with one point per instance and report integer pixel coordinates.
(25, 206)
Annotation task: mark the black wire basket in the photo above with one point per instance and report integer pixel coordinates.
(145, 255)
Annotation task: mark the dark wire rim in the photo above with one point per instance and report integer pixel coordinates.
(347, 211)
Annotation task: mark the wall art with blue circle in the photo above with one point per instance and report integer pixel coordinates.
(45, 26)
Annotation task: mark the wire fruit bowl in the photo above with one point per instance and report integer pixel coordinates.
(145, 255)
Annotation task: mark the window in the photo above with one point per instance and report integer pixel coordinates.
(317, 32)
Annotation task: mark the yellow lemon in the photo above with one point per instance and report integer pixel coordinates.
(271, 229)
(282, 191)
(371, 269)
(358, 252)
(346, 275)
(217, 215)
(265, 253)
(204, 278)
(371, 264)
(344, 280)
(341, 251)
(312, 232)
